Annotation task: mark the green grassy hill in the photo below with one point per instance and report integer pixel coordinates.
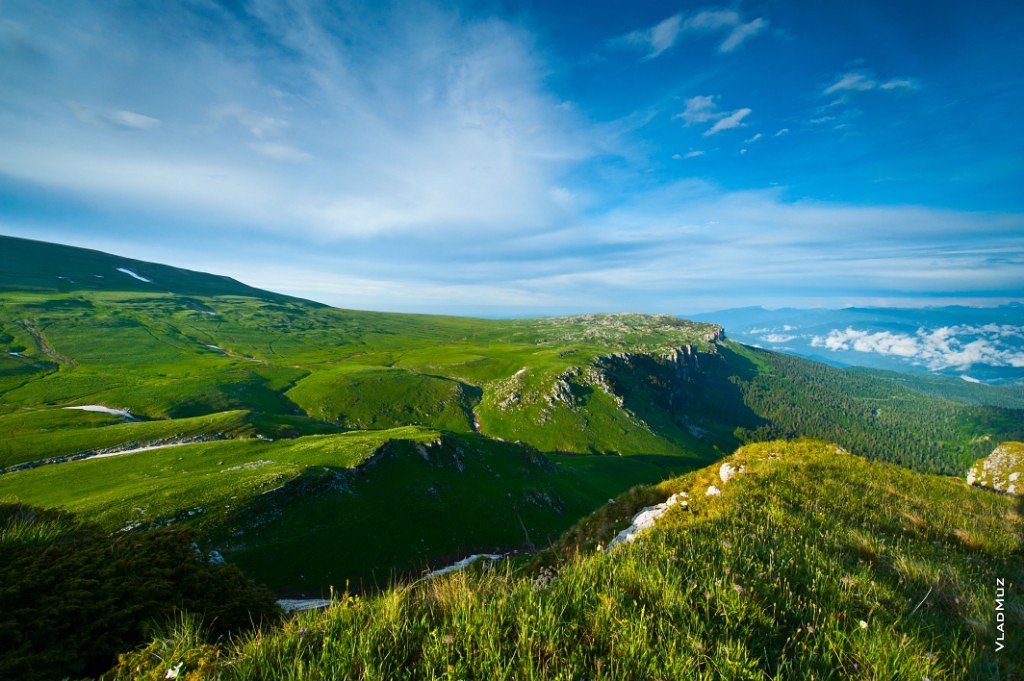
(810, 563)
(39, 266)
(282, 426)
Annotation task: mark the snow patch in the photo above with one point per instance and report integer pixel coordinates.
(464, 563)
(646, 517)
(119, 452)
(17, 354)
(969, 379)
(290, 605)
(727, 472)
(712, 491)
(106, 410)
(133, 275)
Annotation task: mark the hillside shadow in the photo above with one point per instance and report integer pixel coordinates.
(697, 397)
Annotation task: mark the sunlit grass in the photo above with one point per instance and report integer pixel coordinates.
(767, 580)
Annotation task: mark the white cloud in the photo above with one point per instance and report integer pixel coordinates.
(700, 109)
(280, 151)
(863, 81)
(753, 139)
(941, 348)
(898, 83)
(852, 80)
(260, 126)
(777, 338)
(658, 39)
(733, 120)
(712, 20)
(742, 33)
(704, 109)
(112, 118)
(663, 35)
(693, 154)
(781, 132)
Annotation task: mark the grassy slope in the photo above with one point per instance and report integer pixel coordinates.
(304, 513)
(812, 563)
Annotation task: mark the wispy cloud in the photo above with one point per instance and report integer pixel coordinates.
(740, 34)
(732, 120)
(389, 120)
(898, 83)
(113, 118)
(260, 126)
(280, 151)
(704, 109)
(661, 37)
(699, 109)
(863, 81)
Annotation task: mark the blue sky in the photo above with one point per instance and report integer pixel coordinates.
(507, 158)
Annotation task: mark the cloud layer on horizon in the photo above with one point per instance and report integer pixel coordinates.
(948, 347)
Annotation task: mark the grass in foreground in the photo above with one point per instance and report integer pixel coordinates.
(811, 564)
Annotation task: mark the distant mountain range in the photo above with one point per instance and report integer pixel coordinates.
(977, 344)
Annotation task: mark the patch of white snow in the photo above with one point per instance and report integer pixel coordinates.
(727, 471)
(464, 563)
(132, 274)
(290, 605)
(119, 452)
(106, 410)
(646, 517)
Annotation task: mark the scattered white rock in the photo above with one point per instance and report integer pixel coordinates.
(712, 491)
(646, 517)
(132, 274)
(1000, 470)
